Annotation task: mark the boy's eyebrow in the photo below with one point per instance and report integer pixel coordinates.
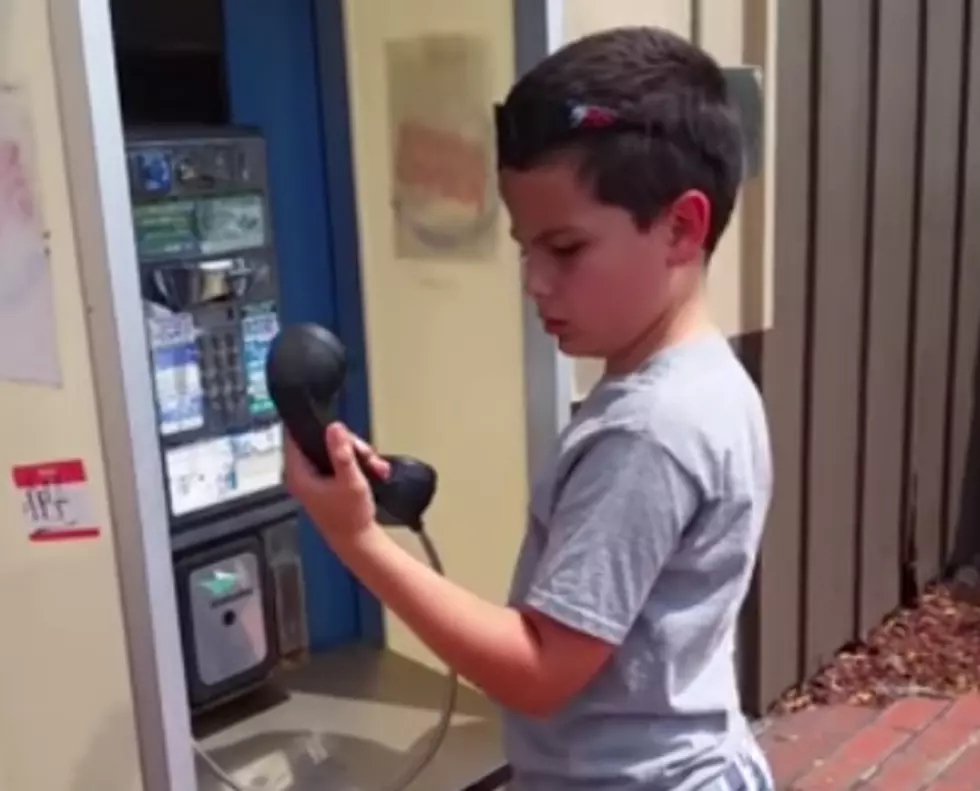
(546, 236)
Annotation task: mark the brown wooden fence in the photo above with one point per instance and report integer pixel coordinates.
(871, 367)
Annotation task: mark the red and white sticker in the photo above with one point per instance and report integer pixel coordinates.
(56, 501)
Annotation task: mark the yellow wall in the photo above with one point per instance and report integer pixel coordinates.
(582, 17)
(740, 279)
(444, 337)
(66, 711)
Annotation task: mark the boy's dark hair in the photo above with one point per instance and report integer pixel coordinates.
(646, 113)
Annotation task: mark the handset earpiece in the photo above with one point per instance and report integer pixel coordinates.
(305, 371)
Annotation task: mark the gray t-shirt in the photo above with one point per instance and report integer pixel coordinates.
(643, 532)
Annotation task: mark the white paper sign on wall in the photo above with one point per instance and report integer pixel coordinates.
(27, 311)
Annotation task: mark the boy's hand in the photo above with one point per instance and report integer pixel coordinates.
(341, 506)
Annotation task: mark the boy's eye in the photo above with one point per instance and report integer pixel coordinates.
(566, 251)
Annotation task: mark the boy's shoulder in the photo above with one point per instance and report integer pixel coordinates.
(697, 402)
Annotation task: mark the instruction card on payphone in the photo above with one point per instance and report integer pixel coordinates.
(208, 473)
(176, 373)
(258, 332)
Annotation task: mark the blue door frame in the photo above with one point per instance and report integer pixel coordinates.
(287, 76)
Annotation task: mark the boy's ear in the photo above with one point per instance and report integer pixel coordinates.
(688, 224)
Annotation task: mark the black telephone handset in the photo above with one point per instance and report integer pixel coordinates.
(305, 370)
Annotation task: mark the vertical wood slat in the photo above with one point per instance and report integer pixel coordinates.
(933, 298)
(755, 24)
(887, 301)
(835, 374)
(963, 490)
(775, 606)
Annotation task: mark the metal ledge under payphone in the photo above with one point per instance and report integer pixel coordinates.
(209, 274)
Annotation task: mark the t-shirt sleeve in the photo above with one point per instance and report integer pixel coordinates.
(619, 515)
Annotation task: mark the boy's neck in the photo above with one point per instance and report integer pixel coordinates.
(688, 320)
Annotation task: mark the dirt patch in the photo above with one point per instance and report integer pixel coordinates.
(932, 649)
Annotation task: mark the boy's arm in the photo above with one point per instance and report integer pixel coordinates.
(525, 661)
(619, 516)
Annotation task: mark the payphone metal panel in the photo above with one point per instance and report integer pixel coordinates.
(226, 609)
(208, 272)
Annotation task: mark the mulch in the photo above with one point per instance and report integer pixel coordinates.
(929, 650)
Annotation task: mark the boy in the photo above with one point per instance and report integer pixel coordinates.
(620, 160)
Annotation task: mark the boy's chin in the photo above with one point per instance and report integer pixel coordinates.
(575, 347)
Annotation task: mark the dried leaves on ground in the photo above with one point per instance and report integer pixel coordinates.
(932, 649)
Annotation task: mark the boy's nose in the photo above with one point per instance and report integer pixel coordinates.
(537, 284)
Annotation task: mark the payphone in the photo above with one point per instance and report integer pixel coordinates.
(208, 275)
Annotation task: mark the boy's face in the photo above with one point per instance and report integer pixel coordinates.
(599, 282)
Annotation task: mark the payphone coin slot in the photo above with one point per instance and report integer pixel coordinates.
(242, 169)
(185, 170)
(221, 165)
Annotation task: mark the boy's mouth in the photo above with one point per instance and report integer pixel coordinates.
(553, 326)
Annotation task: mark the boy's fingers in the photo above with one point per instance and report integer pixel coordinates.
(340, 445)
(370, 456)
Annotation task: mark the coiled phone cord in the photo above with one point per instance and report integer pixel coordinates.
(434, 742)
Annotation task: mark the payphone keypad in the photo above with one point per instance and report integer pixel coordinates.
(222, 378)
(231, 346)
